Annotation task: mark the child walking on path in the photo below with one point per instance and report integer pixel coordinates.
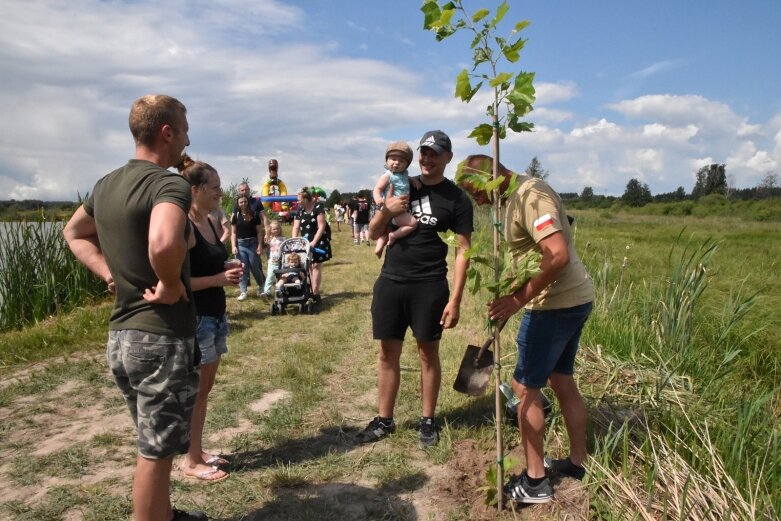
(274, 242)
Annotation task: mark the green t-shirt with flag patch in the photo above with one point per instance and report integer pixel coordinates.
(534, 212)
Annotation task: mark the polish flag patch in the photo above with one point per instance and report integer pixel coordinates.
(543, 222)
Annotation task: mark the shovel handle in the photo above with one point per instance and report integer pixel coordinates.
(497, 330)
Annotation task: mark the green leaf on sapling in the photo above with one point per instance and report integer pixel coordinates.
(520, 26)
(512, 186)
(501, 78)
(463, 86)
(482, 133)
(493, 184)
(481, 55)
(444, 18)
(449, 238)
(431, 13)
(500, 12)
(480, 14)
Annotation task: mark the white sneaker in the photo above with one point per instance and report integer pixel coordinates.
(242, 297)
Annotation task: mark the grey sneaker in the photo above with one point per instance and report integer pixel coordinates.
(429, 432)
(375, 431)
(521, 491)
(565, 467)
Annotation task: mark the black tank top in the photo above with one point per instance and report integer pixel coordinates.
(208, 259)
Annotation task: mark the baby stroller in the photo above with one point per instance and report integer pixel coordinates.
(296, 293)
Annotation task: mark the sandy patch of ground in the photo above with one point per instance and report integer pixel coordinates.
(268, 400)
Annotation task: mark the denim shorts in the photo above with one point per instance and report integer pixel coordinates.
(212, 334)
(157, 378)
(548, 342)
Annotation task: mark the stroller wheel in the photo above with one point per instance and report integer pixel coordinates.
(310, 308)
(273, 308)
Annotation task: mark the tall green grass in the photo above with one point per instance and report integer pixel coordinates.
(707, 443)
(38, 274)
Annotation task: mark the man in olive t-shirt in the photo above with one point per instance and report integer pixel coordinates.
(131, 231)
(557, 303)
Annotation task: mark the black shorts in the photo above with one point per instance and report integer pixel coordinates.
(417, 305)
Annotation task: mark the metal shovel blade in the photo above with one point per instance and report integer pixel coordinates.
(476, 366)
(474, 373)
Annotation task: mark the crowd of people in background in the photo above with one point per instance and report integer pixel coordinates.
(157, 239)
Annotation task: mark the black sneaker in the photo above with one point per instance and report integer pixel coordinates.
(429, 432)
(181, 515)
(521, 491)
(565, 467)
(375, 431)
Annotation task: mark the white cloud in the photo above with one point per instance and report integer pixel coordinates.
(657, 130)
(656, 68)
(679, 111)
(602, 130)
(648, 158)
(748, 131)
(748, 157)
(777, 149)
(551, 115)
(549, 93)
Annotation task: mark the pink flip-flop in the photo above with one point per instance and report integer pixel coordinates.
(216, 460)
(206, 475)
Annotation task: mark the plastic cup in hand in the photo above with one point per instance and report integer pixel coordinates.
(231, 264)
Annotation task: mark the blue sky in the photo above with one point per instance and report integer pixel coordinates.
(649, 90)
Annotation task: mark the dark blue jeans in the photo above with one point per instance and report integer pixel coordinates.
(248, 254)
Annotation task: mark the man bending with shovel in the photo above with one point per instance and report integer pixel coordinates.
(557, 303)
(412, 290)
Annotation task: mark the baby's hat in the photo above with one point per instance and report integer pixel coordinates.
(401, 147)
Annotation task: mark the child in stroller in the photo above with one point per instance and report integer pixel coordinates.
(291, 273)
(293, 277)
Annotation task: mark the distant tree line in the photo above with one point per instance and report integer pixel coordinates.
(710, 180)
(36, 210)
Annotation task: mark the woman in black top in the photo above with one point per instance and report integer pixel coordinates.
(247, 239)
(310, 223)
(208, 275)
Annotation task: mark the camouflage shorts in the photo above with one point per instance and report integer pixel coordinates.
(156, 376)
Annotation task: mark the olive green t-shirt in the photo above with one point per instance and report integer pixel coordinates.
(121, 204)
(534, 212)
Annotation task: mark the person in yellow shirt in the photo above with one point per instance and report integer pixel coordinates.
(273, 186)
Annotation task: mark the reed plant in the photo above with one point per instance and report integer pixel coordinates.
(38, 274)
(683, 444)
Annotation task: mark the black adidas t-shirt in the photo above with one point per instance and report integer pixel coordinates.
(422, 255)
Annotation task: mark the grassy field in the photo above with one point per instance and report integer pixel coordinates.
(679, 367)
